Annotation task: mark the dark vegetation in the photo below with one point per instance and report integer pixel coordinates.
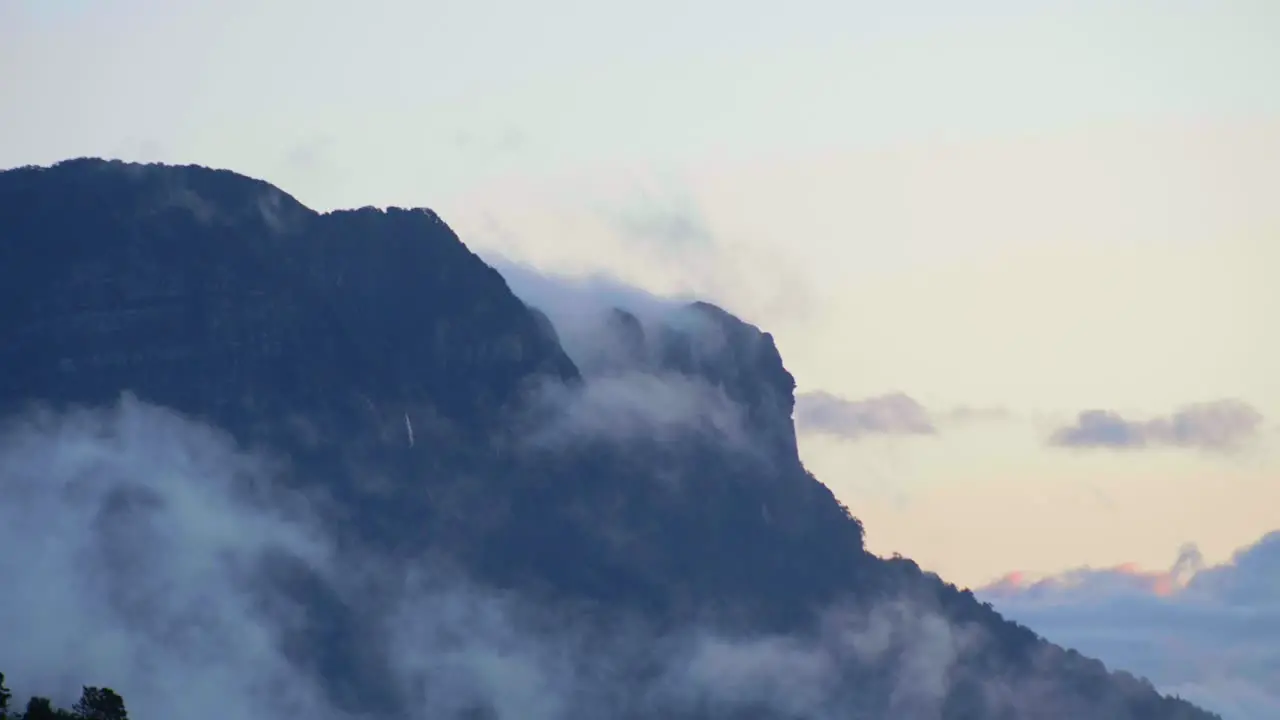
(324, 336)
(94, 704)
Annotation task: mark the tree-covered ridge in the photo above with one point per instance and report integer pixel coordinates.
(95, 703)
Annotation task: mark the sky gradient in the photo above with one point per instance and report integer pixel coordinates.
(964, 228)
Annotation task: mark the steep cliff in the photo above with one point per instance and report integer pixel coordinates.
(428, 411)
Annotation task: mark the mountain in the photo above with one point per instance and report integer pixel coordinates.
(434, 420)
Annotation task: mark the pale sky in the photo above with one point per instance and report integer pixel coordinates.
(1039, 208)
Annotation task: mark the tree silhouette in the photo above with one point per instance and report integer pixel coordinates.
(40, 708)
(94, 704)
(100, 704)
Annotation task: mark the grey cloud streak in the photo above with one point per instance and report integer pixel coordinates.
(1221, 426)
(895, 413)
(891, 414)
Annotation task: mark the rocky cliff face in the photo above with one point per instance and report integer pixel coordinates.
(118, 276)
(429, 412)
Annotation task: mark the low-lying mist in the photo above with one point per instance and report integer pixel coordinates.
(146, 552)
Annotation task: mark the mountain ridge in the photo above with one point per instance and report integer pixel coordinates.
(374, 350)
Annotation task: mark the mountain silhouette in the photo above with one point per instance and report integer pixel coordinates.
(430, 415)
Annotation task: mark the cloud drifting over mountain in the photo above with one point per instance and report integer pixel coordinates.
(139, 547)
(147, 552)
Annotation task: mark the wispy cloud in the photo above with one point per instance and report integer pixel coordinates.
(672, 223)
(143, 554)
(1208, 633)
(137, 553)
(663, 222)
(1222, 425)
(308, 156)
(628, 396)
(892, 414)
(895, 413)
(579, 307)
(637, 405)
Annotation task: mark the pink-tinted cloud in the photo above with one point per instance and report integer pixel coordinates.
(1208, 633)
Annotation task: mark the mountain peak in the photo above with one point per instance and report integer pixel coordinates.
(705, 340)
(124, 275)
(396, 374)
